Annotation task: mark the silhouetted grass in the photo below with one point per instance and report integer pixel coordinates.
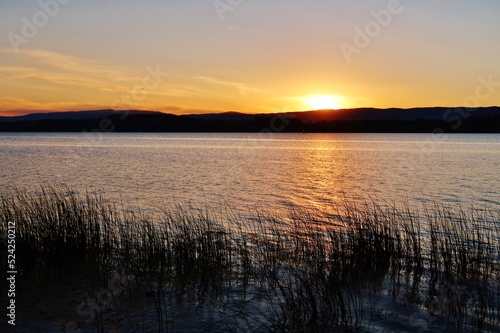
(296, 273)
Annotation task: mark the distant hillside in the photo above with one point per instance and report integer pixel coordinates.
(73, 115)
(435, 113)
(234, 116)
(416, 120)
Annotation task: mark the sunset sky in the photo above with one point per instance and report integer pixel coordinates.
(194, 56)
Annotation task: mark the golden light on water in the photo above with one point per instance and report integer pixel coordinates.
(323, 102)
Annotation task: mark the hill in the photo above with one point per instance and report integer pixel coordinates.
(415, 120)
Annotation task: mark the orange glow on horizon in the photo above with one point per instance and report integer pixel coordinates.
(183, 58)
(323, 102)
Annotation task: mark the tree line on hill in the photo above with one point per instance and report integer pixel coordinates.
(484, 120)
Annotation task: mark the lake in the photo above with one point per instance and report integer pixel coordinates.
(252, 171)
(392, 286)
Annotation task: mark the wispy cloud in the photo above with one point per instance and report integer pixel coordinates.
(10, 106)
(70, 64)
(183, 110)
(242, 88)
(40, 71)
(64, 79)
(66, 70)
(57, 68)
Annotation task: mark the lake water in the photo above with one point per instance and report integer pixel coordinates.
(251, 171)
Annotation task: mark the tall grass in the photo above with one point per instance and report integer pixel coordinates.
(296, 273)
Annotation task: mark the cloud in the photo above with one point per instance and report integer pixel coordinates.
(10, 106)
(69, 64)
(61, 69)
(64, 79)
(66, 70)
(183, 110)
(242, 88)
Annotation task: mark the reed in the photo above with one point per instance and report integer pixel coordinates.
(306, 271)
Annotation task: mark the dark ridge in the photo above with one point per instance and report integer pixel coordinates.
(73, 115)
(368, 120)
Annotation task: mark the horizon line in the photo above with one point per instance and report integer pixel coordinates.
(208, 112)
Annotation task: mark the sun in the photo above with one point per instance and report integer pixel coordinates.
(323, 102)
